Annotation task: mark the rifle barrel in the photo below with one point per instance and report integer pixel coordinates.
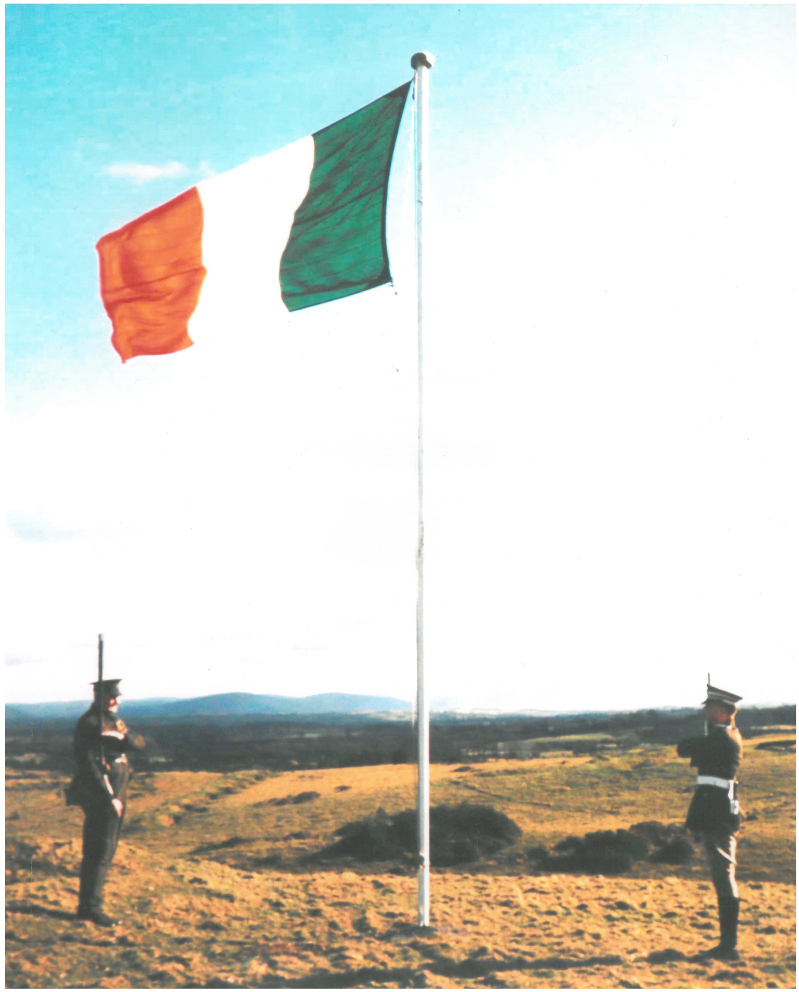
(100, 699)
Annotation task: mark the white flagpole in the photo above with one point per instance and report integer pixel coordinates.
(421, 63)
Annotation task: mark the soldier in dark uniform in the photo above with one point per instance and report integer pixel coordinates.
(99, 787)
(714, 813)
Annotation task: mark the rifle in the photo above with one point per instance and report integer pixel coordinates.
(101, 704)
(77, 792)
(100, 700)
(708, 686)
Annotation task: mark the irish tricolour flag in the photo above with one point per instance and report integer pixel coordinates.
(301, 226)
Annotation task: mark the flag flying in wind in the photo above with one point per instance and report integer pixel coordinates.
(305, 224)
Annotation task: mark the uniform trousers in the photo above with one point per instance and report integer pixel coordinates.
(720, 849)
(100, 837)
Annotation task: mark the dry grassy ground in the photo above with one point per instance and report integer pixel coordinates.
(214, 889)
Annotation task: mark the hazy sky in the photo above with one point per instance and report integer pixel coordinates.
(610, 377)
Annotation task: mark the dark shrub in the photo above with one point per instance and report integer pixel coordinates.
(789, 744)
(603, 852)
(610, 852)
(304, 797)
(677, 851)
(298, 799)
(370, 839)
(652, 830)
(669, 840)
(537, 852)
(476, 820)
(458, 835)
(220, 846)
(468, 832)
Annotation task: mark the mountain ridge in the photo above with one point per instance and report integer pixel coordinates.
(220, 704)
(238, 706)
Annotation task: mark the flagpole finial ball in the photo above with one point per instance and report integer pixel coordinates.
(422, 59)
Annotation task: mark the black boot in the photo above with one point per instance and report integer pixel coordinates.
(96, 916)
(727, 949)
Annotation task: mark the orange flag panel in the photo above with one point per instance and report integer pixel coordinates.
(151, 273)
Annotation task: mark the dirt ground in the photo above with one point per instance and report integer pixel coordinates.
(214, 888)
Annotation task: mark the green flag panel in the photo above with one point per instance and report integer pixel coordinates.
(337, 245)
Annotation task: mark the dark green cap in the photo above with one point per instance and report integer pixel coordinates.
(110, 688)
(721, 696)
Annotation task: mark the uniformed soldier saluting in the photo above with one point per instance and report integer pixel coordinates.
(99, 787)
(714, 813)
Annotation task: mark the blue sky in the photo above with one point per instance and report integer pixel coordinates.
(210, 86)
(608, 380)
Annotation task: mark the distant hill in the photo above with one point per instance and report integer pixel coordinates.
(228, 704)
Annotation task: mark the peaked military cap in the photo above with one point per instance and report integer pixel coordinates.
(715, 695)
(110, 688)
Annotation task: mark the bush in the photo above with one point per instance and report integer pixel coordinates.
(653, 831)
(371, 839)
(602, 852)
(669, 840)
(458, 835)
(611, 852)
(678, 851)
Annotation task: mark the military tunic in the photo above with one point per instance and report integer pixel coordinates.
(101, 775)
(718, 754)
(713, 812)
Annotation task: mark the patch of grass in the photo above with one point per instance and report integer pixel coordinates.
(261, 915)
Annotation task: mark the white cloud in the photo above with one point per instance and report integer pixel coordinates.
(207, 171)
(142, 173)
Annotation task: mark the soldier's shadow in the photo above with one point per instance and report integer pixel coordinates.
(31, 909)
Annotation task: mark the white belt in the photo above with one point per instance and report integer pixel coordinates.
(722, 783)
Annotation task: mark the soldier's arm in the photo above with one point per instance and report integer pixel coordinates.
(722, 747)
(130, 742)
(691, 747)
(88, 750)
(729, 752)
